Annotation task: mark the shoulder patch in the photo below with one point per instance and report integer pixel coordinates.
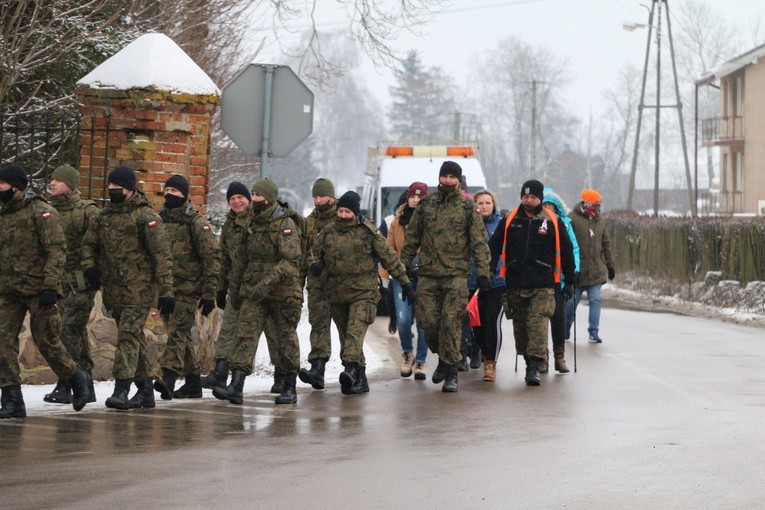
(287, 232)
(152, 224)
(206, 228)
(46, 215)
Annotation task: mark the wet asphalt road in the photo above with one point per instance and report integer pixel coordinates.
(667, 413)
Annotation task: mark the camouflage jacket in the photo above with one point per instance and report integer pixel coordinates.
(272, 254)
(302, 225)
(349, 253)
(76, 216)
(32, 246)
(195, 251)
(448, 231)
(129, 243)
(231, 256)
(315, 223)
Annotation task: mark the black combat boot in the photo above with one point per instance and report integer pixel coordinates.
(348, 378)
(119, 399)
(192, 387)
(218, 377)
(144, 397)
(440, 372)
(232, 392)
(289, 394)
(475, 356)
(166, 385)
(12, 403)
(278, 386)
(450, 382)
(532, 371)
(61, 394)
(91, 388)
(314, 376)
(361, 385)
(80, 391)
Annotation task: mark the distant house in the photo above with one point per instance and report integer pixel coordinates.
(739, 132)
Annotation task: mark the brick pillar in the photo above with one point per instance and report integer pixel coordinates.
(157, 133)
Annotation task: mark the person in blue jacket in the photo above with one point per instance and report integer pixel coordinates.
(557, 321)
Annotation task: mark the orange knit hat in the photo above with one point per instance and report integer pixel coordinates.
(591, 196)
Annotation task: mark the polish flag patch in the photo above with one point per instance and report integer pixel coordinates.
(46, 215)
(152, 224)
(206, 228)
(287, 232)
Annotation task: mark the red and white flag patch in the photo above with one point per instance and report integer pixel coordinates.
(46, 215)
(206, 228)
(287, 232)
(152, 224)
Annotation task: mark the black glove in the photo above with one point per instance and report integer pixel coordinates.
(47, 297)
(207, 306)
(484, 284)
(568, 291)
(383, 290)
(93, 276)
(166, 305)
(317, 268)
(220, 299)
(258, 292)
(408, 293)
(611, 273)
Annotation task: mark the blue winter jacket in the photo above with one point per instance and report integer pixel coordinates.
(560, 209)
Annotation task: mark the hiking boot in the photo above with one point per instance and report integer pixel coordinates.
(489, 370)
(144, 397)
(419, 371)
(234, 391)
(560, 361)
(191, 388)
(278, 386)
(544, 365)
(594, 338)
(314, 376)
(450, 382)
(439, 373)
(361, 385)
(462, 365)
(348, 378)
(218, 377)
(61, 394)
(78, 381)
(532, 371)
(91, 388)
(406, 365)
(119, 399)
(166, 385)
(12, 403)
(288, 394)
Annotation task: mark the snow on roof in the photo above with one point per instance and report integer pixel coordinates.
(153, 61)
(731, 66)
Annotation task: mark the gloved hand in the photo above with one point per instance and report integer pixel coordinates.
(207, 306)
(568, 291)
(317, 268)
(484, 284)
(408, 293)
(611, 273)
(411, 272)
(47, 297)
(258, 293)
(220, 299)
(166, 305)
(93, 277)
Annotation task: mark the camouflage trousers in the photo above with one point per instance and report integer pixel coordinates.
(75, 311)
(531, 310)
(45, 324)
(228, 341)
(131, 359)
(353, 320)
(440, 308)
(320, 318)
(180, 354)
(253, 319)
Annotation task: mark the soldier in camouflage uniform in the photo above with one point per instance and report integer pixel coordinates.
(324, 213)
(345, 256)
(128, 245)
(269, 289)
(32, 259)
(195, 280)
(532, 248)
(447, 231)
(77, 302)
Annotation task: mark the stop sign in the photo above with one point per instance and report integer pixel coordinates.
(244, 106)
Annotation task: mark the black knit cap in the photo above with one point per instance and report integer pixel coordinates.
(123, 176)
(237, 188)
(180, 183)
(533, 187)
(450, 167)
(350, 200)
(15, 176)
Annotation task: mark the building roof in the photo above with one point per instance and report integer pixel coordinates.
(153, 61)
(731, 66)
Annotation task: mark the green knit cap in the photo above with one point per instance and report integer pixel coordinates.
(68, 175)
(266, 188)
(323, 187)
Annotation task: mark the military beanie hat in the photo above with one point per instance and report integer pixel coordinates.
(323, 188)
(450, 167)
(15, 176)
(237, 188)
(123, 176)
(68, 175)
(180, 183)
(266, 188)
(350, 200)
(533, 187)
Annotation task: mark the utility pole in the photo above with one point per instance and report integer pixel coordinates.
(658, 116)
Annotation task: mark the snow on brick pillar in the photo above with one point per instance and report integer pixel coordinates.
(150, 107)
